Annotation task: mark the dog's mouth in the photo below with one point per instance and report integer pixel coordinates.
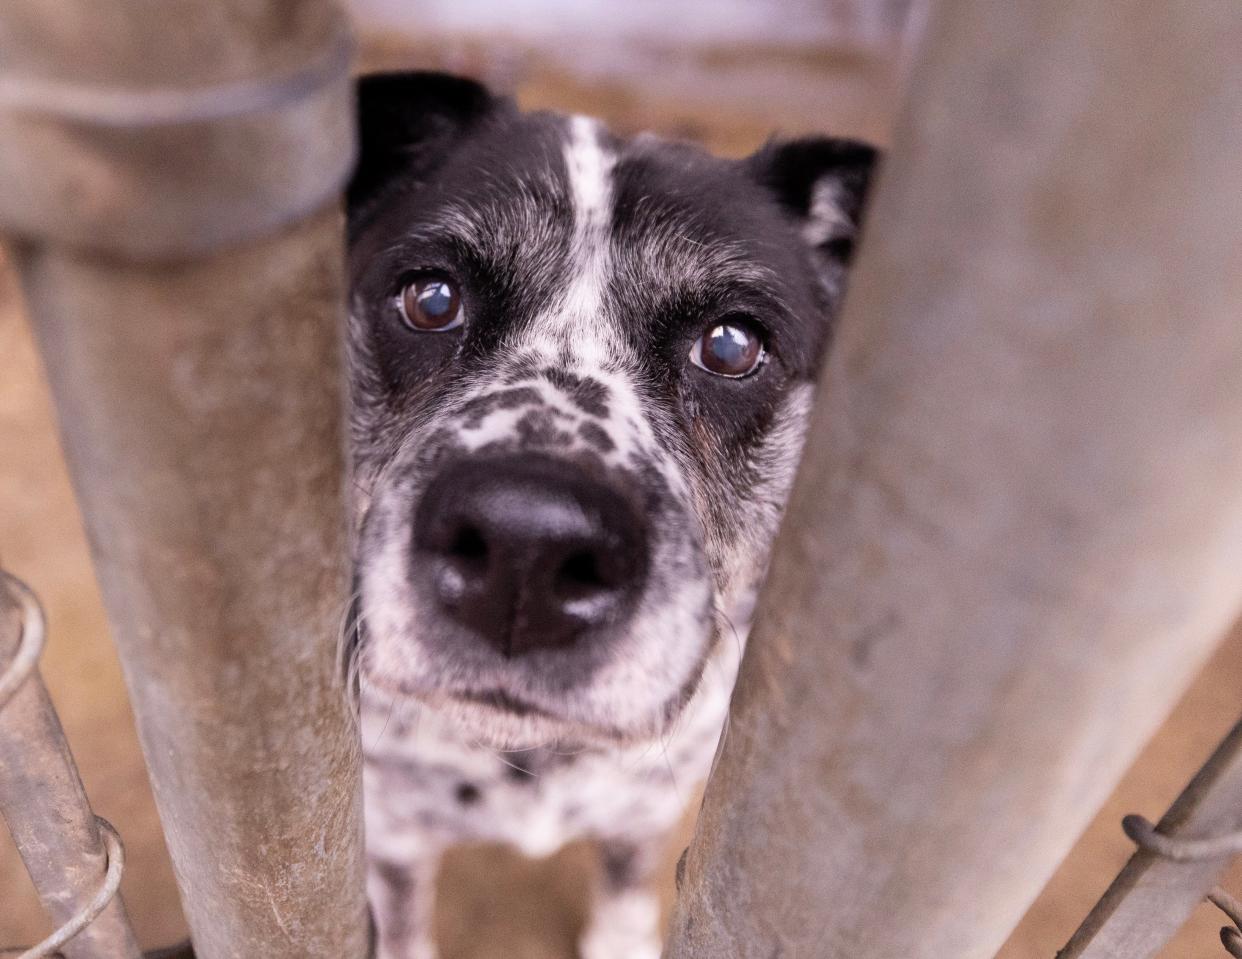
(624, 687)
(540, 725)
(498, 718)
(506, 702)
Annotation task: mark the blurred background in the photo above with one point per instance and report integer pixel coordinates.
(726, 73)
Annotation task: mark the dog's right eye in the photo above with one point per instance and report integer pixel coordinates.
(732, 348)
(431, 303)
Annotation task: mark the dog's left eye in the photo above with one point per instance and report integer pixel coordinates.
(431, 302)
(733, 348)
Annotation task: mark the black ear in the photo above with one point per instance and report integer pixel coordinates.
(407, 124)
(821, 181)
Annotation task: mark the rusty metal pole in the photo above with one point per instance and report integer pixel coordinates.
(1017, 531)
(170, 169)
(61, 842)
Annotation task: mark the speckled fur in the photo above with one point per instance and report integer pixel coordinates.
(591, 264)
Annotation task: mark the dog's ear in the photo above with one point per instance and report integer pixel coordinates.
(407, 124)
(823, 183)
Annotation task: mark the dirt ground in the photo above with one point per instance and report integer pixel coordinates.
(492, 904)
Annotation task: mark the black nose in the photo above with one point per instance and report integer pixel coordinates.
(527, 551)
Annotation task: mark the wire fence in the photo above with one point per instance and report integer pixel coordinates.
(75, 858)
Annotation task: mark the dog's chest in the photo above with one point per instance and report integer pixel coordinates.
(426, 789)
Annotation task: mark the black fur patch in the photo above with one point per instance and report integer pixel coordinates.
(588, 394)
(477, 409)
(597, 437)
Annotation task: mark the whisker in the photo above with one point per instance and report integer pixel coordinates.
(392, 705)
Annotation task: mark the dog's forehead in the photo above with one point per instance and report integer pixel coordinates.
(550, 172)
(607, 221)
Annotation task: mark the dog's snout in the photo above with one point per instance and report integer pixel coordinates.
(528, 552)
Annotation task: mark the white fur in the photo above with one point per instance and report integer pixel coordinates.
(577, 320)
(827, 219)
(627, 925)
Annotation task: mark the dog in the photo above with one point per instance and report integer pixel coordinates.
(580, 373)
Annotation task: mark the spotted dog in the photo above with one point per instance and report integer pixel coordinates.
(580, 373)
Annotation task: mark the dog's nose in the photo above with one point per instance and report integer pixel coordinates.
(527, 551)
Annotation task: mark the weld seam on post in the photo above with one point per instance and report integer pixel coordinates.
(273, 149)
(88, 913)
(29, 645)
(166, 106)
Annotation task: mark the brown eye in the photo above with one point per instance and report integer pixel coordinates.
(731, 348)
(432, 303)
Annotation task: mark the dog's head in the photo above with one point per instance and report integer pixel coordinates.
(580, 371)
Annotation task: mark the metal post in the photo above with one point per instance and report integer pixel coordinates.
(60, 840)
(1179, 862)
(1017, 530)
(186, 300)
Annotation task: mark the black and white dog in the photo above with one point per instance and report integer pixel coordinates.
(581, 369)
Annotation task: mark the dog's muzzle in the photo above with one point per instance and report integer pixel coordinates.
(528, 552)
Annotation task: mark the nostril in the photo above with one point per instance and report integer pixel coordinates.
(461, 569)
(469, 546)
(579, 576)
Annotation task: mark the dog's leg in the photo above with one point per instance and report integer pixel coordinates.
(402, 901)
(625, 920)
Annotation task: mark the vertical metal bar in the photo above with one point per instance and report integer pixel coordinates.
(200, 408)
(1017, 530)
(44, 804)
(186, 298)
(1154, 895)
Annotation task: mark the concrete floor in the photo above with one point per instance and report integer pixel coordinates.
(492, 904)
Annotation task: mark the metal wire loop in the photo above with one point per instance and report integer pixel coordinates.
(30, 645)
(1146, 837)
(1230, 936)
(87, 914)
(1177, 849)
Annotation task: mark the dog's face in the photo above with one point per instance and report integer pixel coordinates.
(580, 372)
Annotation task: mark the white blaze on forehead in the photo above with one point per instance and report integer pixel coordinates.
(577, 317)
(589, 166)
